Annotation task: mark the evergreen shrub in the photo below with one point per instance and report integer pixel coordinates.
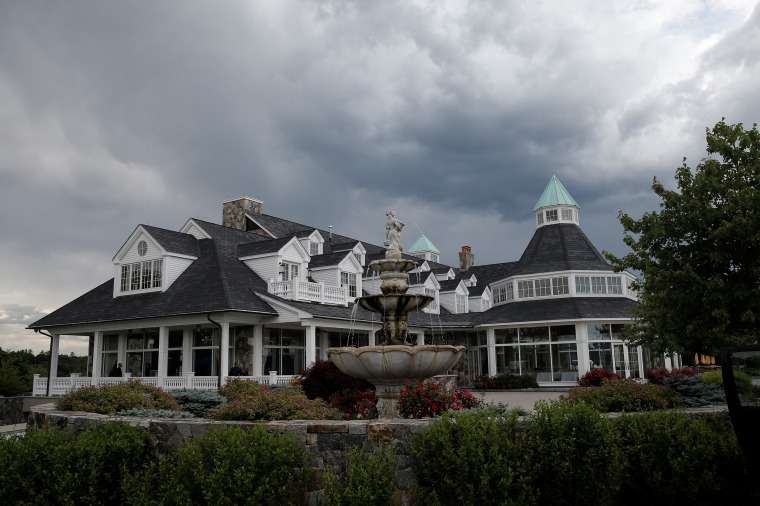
(694, 392)
(323, 379)
(226, 467)
(367, 478)
(199, 402)
(504, 382)
(155, 413)
(473, 458)
(743, 381)
(61, 467)
(626, 395)
(110, 399)
(573, 455)
(248, 401)
(672, 457)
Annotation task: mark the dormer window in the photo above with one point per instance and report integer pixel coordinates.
(314, 248)
(348, 281)
(141, 275)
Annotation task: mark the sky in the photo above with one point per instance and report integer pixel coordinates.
(454, 114)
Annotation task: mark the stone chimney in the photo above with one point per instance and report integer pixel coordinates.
(466, 259)
(233, 211)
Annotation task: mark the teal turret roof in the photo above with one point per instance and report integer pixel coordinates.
(423, 244)
(555, 195)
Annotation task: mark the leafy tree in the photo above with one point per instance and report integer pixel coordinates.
(699, 255)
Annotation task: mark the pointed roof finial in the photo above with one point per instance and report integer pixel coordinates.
(555, 195)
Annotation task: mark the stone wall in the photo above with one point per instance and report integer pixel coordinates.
(11, 410)
(325, 440)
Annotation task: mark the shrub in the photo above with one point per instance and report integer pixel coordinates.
(743, 382)
(573, 454)
(226, 466)
(110, 399)
(61, 467)
(473, 457)
(355, 404)
(368, 478)
(658, 375)
(199, 402)
(596, 377)
(236, 389)
(323, 379)
(258, 402)
(672, 457)
(694, 392)
(155, 413)
(423, 399)
(503, 382)
(462, 400)
(625, 395)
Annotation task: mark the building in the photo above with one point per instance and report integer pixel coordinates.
(273, 295)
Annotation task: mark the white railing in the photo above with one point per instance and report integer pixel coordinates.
(310, 292)
(61, 386)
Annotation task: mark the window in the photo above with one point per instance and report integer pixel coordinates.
(461, 302)
(110, 354)
(434, 257)
(543, 287)
(567, 215)
(525, 289)
(598, 284)
(348, 281)
(313, 248)
(582, 284)
(142, 353)
(431, 293)
(551, 215)
(540, 217)
(559, 286)
(510, 291)
(141, 275)
(500, 293)
(614, 285)
(289, 271)
(142, 248)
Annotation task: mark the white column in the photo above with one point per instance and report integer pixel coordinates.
(224, 352)
(54, 348)
(322, 345)
(491, 341)
(97, 356)
(187, 351)
(581, 338)
(258, 350)
(311, 345)
(163, 351)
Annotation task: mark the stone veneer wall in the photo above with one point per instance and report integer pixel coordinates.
(11, 410)
(325, 440)
(233, 212)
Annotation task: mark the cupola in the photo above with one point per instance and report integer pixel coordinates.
(556, 205)
(424, 248)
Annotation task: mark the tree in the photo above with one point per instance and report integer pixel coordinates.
(699, 255)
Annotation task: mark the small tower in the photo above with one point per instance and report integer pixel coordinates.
(556, 205)
(425, 249)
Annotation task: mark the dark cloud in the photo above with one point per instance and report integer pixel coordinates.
(456, 115)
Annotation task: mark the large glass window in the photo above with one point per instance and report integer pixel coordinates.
(142, 352)
(289, 271)
(567, 215)
(241, 348)
(206, 352)
(110, 354)
(284, 350)
(551, 215)
(543, 287)
(175, 353)
(582, 284)
(461, 302)
(614, 285)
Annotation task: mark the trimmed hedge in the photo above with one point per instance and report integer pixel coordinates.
(504, 382)
(624, 395)
(110, 399)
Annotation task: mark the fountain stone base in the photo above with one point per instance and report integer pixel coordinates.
(388, 368)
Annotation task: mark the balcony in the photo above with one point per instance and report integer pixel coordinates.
(306, 291)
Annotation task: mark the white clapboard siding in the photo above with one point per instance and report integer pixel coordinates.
(174, 267)
(153, 252)
(267, 268)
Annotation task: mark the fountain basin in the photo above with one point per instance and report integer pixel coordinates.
(393, 265)
(379, 364)
(394, 303)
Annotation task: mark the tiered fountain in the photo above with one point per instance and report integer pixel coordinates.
(394, 360)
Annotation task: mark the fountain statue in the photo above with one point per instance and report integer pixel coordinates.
(394, 360)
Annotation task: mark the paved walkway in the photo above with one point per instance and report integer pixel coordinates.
(525, 399)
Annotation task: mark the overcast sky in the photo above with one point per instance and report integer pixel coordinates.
(453, 113)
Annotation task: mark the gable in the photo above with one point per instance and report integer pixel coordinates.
(139, 246)
(194, 229)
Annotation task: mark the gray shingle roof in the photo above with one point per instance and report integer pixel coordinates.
(564, 308)
(174, 242)
(559, 247)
